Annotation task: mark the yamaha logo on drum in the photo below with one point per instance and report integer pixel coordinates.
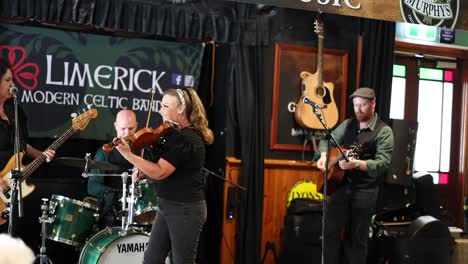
(438, 13)
(131, 247)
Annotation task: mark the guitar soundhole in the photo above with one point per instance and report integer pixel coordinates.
(323, 93)
(320, 91)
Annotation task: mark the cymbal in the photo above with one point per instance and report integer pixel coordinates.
(92, 164)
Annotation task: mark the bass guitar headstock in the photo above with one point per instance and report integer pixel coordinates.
(81, 122)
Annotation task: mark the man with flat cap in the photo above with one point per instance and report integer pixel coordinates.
(353, 203)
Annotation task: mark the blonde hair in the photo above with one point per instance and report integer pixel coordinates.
(14, 251)
(194, 111)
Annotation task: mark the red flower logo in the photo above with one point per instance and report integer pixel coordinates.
(25, 74)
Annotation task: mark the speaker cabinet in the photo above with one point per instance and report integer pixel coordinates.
(426, 240)
(401, 166)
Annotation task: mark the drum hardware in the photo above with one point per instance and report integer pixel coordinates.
(127, 202)
(124, 200)
(139, 201)
(44, 219)
(131, 200)
(91, 164)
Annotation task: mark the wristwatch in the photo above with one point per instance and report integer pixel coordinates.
(356, 165)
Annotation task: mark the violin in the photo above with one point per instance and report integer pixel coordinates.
(144, 136)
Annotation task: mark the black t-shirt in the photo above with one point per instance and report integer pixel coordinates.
(7, 133)
(185, 150)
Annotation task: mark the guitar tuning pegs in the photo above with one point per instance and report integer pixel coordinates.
(89, 106)
(73, 115)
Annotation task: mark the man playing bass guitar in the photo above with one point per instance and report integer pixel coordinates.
(352, 204)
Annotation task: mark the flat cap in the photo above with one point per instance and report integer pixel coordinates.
(363, 92)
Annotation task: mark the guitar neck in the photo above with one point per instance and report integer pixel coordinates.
(334, 161)
(320, 60)
(54, 146)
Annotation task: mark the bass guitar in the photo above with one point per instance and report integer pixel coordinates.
(78, 123)
(335, 174)
(313, 87)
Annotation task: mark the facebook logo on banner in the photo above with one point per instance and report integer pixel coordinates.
(188, 81)
(176, 79)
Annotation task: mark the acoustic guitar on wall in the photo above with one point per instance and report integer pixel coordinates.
(317, 91)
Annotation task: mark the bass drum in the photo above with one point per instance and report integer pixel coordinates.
(114, 246)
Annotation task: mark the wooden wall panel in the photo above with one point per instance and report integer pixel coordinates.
(279, 177)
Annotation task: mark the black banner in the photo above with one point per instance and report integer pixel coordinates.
(63, 73)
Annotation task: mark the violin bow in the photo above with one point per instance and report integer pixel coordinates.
(148, 116)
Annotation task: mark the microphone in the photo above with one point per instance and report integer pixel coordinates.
(14, 91)
(306, 100)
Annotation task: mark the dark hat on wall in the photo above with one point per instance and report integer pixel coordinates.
(363, 92)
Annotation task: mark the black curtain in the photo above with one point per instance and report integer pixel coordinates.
(201, 20)
(246, 104)
(377, 62)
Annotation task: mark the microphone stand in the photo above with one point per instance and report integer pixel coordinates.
(44, 219)
(222, 178)
(16, 176)
(329, 137)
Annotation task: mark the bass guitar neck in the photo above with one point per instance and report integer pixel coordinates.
(78, 123)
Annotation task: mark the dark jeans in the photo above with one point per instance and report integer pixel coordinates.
(176, 228)
(349, 210)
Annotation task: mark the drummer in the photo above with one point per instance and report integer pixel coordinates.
(108, 190)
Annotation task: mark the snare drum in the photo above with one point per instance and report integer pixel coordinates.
(74, 220)
(111, 246)
(147, 202)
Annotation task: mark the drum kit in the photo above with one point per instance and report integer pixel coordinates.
(74, 222)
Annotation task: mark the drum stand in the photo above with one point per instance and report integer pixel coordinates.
(44, 219)
(127, 214)
(128, 203)
(131, 200)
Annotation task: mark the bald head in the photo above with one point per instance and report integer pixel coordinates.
(125, 123)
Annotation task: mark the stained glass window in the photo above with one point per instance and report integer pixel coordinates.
(435, 98)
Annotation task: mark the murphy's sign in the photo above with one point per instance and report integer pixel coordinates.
(440, 13)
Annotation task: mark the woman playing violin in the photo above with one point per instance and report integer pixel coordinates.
(181, 206)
